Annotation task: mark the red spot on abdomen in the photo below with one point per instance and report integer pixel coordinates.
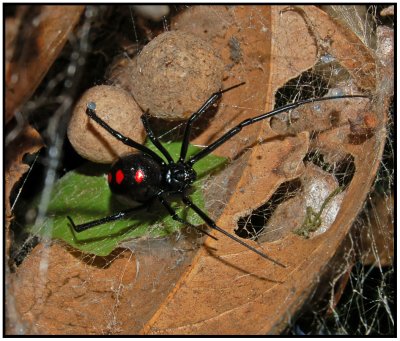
(119, 176)
(139, 176)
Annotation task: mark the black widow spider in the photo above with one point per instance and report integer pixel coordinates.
(145, 176)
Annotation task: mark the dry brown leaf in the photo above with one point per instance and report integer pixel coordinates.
(223, 289)
(238, 293)
(61, 291)
(34, 39)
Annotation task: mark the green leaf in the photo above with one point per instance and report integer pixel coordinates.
(84, 195)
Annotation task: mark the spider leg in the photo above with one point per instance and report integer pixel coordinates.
(212, 224)
(91, 112)
(117, 216)
(153, 138)
(213, 98)
(174, 216)
(235, 130)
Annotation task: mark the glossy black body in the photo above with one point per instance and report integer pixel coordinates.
(129, 165)
(154, 177)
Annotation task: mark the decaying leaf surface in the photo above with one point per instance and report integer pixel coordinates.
(165, 287)
(237, 293)
(34, 39)
(66, 292)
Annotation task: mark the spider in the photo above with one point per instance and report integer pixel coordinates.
(145, 176)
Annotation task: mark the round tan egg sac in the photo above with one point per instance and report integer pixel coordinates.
(119, 110)
(175, 74)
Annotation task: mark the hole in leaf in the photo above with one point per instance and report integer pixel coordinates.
(343, 169)
(308, 85)
(251, 226)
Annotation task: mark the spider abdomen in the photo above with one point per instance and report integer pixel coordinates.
(137, 176)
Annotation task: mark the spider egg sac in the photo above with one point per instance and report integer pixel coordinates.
(174, 75)
(119, 110)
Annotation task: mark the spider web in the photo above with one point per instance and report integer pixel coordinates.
(356, 298)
